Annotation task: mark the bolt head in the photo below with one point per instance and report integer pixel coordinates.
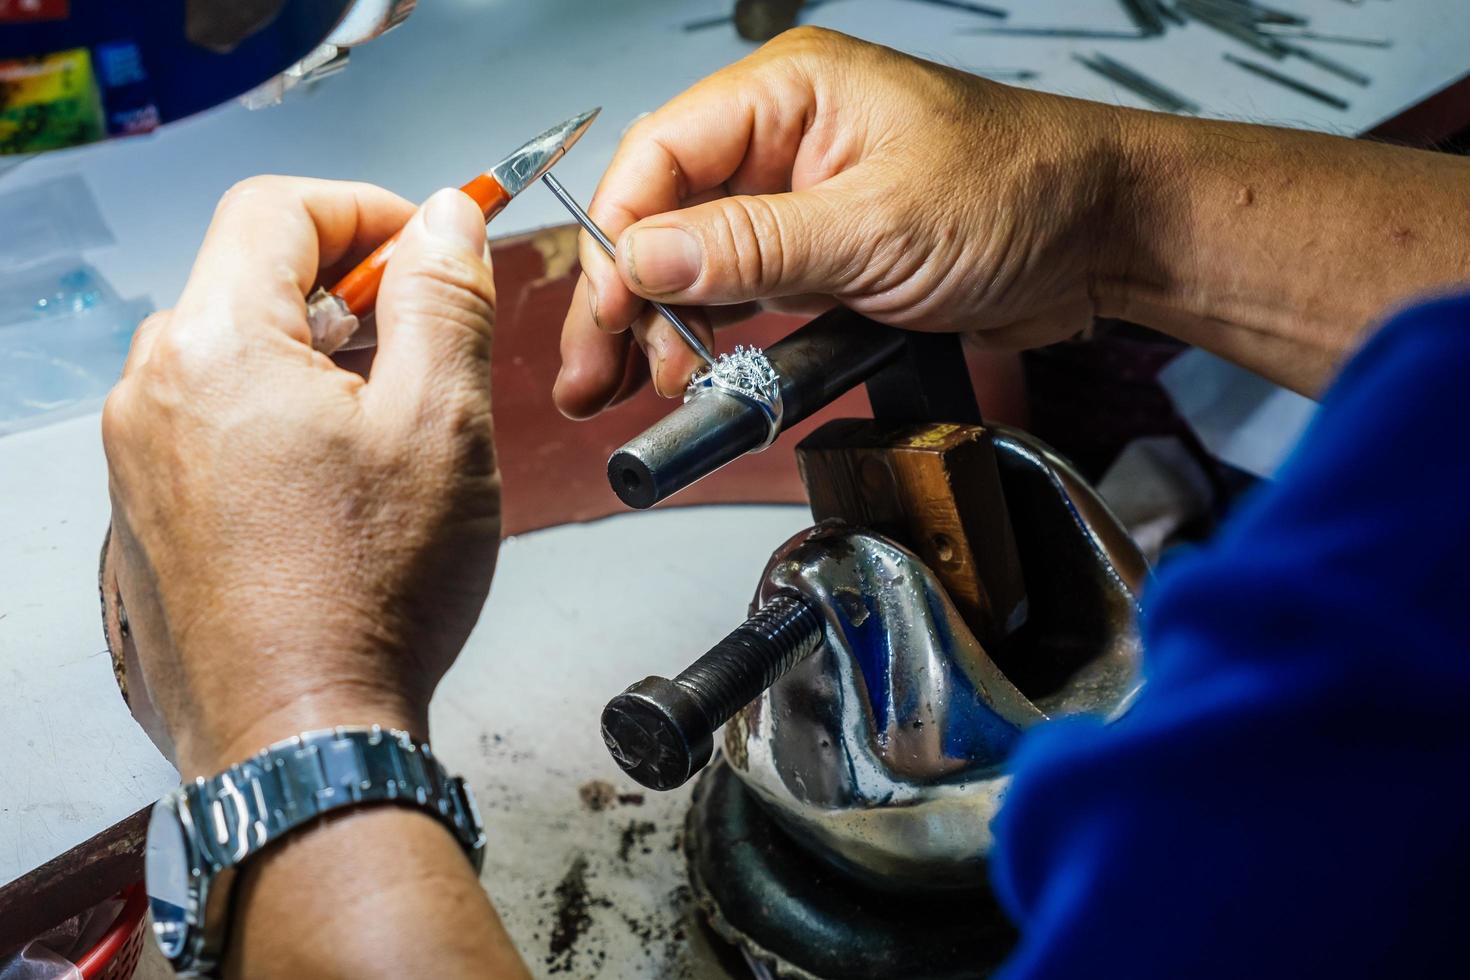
(657, 733)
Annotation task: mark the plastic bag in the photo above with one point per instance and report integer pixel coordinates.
(52, 289)
(50, 955)
(50, 218)
(56, 366)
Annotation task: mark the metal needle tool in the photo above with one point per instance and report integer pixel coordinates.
(335, 314)
(568, 202)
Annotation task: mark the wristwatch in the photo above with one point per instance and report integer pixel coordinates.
(200, 834)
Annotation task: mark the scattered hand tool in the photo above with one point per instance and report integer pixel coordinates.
(1298, 34)
(1141, 85)
(1005, 74)
(1327, 64)
(969, 7)
(1083, 33)
(334, 314)
(761, 20)
(1245, 26)
(1271, 74)
(1146, 15)
(583, 219)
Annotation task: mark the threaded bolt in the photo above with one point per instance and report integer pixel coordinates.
(661, 731)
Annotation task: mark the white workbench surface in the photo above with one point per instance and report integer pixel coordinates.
(429, 105)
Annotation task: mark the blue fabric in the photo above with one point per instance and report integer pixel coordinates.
(1290, 796)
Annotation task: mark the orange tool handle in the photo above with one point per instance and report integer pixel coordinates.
(359, 288)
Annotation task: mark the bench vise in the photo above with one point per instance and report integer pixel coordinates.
(961, 584)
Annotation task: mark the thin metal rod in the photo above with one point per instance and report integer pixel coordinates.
(1327, 64)
(1072, 32)
(1005, 74)
(1310, 91)
(1145, 16)
(583, 219)
(970, 7)
(1137, 83)
(1297, 34)
(706, 22)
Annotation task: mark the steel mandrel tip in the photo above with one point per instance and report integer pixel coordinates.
(334, 315)
(526, 165)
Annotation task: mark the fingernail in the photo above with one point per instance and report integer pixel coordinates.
(452, 217)
(658, 345)
(658, 375)
(663, 260)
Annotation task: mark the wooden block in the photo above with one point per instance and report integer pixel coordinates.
(935, 488)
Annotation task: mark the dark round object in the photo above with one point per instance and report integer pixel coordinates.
(657, 733)
(786, 907)
(761, 20)
(631, 480)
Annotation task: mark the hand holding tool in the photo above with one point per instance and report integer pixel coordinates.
(585, 220)
(335, 314)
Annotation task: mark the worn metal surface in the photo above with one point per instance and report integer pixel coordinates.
(883, 750)
(816, 364)
(582, 863)
(661, 731)
(798, 917)
(535, 159)
(927, 381)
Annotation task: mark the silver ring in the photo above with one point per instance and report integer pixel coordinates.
(746, 374)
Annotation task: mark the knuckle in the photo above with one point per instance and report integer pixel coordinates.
(115, 417)
(758, 243)
(154, 321)
(456, 277)
(806, 38)
(641, 129)
(187, 358)
(145, 330)
(810, 45)
(272, 185)
(171, 352)
(450, 288)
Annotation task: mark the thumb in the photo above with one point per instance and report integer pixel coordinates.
(436, 307)
(737, 249)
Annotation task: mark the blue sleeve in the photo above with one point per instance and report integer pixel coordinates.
(1290, 796)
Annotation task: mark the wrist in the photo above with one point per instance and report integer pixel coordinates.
(1129, 269)
(223, 740)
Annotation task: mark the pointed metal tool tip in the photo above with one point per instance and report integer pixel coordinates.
(526, 165)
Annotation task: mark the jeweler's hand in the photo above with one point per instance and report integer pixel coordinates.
(297, 547)
(824, 169)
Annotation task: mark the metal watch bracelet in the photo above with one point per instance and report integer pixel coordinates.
(301, 778)
(199, 834)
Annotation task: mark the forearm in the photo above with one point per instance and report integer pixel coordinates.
(380, 892)
(1275, 248)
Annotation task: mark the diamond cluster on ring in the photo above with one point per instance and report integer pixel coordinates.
(747, 371)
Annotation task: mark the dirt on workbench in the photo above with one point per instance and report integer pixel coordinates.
(636, 834)
(573, 916)
(599, 794)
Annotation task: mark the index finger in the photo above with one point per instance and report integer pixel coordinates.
(742, 129)
(267, 241)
